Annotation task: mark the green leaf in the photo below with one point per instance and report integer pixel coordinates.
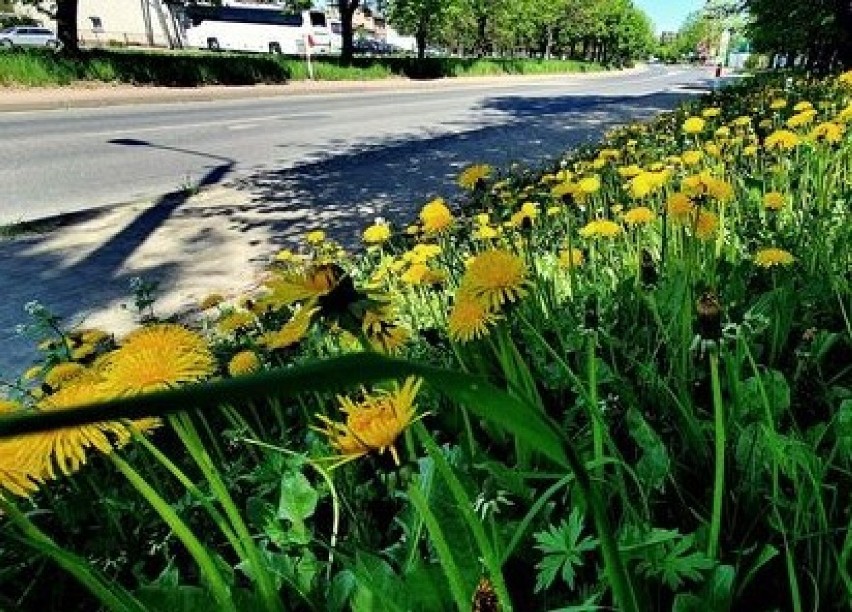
(475, 393)
(563, 549)
(297, 502)
(768, 392)
(843, 427)
(654, 465)
(340, 591)
(675, 562)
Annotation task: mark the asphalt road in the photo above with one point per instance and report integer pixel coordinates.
(385, 145)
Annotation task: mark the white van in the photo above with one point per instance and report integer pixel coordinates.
(256, 28)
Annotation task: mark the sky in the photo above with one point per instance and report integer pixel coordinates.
(668, 15)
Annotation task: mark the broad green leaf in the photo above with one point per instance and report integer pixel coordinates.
(475, 393)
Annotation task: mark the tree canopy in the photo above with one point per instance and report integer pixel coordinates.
(609, 31)
(817, 32)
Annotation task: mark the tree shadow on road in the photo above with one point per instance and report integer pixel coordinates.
(345, 189)
(72, 280)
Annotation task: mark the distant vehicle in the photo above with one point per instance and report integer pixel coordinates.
(28, 36)
(374, 47)
(256, 28)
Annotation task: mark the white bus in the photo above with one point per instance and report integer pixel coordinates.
(256, 28)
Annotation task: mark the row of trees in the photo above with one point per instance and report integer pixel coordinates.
(817, 33)
(608, 31)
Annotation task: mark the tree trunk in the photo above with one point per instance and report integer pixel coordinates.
(422, 29)
(66, 26)
(347, 34)
(548, 47)
(481, 34)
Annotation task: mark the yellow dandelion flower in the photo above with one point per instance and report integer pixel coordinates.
(243, 363)
(642, 185)
(774, 200)
(469, 319)
(390, 339)
(783, 140)
(495, 277)
(473, 176)
(374, 423)
(845, 115)
(436, 217)
(750, 151)
(92, 336)
(292, 287)
(83, 352)
(292, 332)
(237, 321)
(63, 373)
(709, 113)
(573, 258)
(552, 211)
(778, 104)
(315, 237)
(845, 79)
(630, 171)
(707, 225)
(589, 185)
(285, 256)
(415, 274)
(34, 372)
(600, 228)
(693, 125)
(767, 258)
(422, 253)
(157, 358)
(723, 132)
(828, 132)
(802, 106)
(486, 232)
(691, 158)
(719, 189)
(712, 149)
(565, 188)
(639, 216)
(65, 450)
(801, 119)
(378, 233)
(412, 230)
(20, 471)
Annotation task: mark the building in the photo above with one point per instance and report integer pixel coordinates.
(101, 23)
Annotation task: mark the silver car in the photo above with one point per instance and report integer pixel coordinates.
(28, 36)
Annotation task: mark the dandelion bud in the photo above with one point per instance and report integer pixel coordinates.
(709, 316)
(649, 269)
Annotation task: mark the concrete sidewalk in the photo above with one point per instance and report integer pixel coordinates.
(93, 95)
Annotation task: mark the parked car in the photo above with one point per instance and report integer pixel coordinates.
(28, 36)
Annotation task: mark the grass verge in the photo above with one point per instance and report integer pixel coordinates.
(189, 69)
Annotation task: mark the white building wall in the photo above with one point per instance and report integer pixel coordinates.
(125, 22)
(118, 22)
